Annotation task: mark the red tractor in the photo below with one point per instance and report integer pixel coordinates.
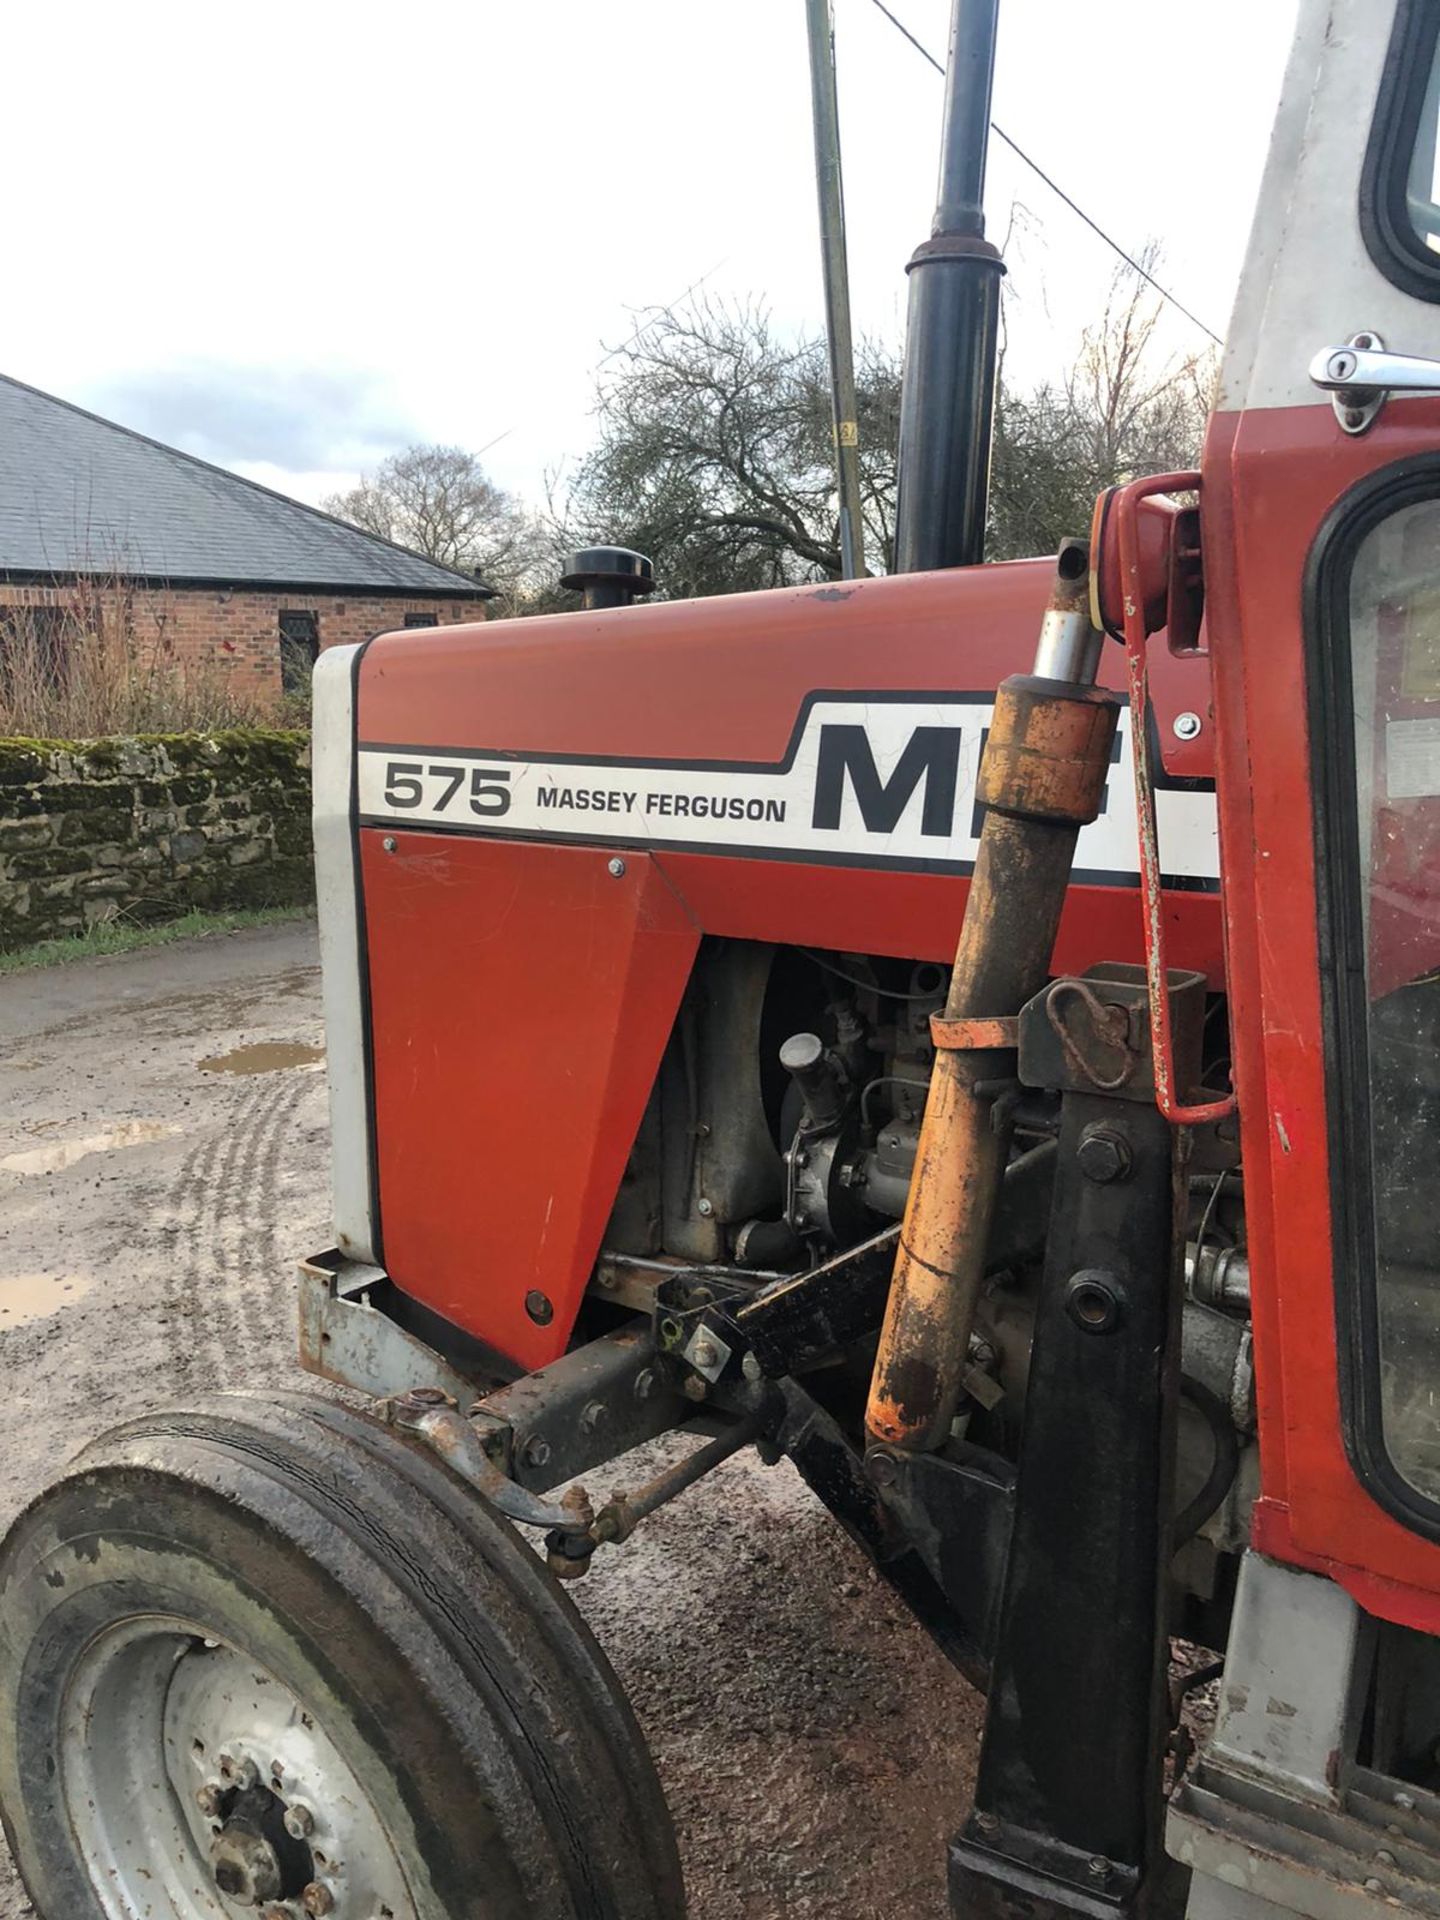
(975, 1032)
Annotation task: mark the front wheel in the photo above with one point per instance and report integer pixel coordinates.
(267, 1657)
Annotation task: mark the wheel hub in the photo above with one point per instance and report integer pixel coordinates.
(253, 1858)
(246, 1869)
(270, 1815)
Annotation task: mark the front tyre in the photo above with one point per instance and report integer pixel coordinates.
(266, 1657)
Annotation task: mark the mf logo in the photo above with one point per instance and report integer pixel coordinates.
(931, 758)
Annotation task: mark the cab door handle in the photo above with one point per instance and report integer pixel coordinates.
(1362, 374)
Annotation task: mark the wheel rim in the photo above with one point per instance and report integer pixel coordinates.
(200, 1788)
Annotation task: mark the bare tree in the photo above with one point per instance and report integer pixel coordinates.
(439, 501)
(1124, 408)
(714, 452)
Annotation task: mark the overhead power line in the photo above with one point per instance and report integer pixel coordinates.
(1058, 190)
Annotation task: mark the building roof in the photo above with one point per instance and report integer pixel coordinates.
(81, 495)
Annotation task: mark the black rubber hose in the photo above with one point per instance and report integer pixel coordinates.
(1223, 1468)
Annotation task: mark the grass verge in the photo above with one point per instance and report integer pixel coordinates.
(122, 936)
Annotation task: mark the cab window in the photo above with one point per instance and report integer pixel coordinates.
(1400, 194)
(1379, 851)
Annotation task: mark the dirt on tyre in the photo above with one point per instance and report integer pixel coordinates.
(263, 1655)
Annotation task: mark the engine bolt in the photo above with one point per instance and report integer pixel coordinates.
(1187, 726)
(299, 1821)
(317, 1898)
(1104, 1155)
(210, 1799)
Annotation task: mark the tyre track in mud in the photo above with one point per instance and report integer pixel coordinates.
(231, 1275)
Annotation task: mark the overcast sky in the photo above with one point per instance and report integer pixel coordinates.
(291, 238)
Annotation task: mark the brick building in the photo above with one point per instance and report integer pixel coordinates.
(104, 530)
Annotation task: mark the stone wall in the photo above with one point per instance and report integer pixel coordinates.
(150, 828)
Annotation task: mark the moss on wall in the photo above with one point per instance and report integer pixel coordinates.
(149, 828)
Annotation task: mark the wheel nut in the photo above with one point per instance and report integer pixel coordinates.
(210, 1799)
(299, 1821)
(317, 1898)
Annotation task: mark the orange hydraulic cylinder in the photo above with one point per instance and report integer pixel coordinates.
(1041, 780)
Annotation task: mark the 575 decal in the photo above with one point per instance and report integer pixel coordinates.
(870, 779)
(434, 787)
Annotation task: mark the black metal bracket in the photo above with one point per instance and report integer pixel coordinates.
(957, 1510)
(1069, 1801)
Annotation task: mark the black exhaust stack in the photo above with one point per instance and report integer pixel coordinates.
(947, 407)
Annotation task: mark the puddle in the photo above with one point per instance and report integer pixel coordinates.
(34, 1296)
(129, 1133)
(266, 1056)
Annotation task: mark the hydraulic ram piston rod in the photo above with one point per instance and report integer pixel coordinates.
(1041, 780)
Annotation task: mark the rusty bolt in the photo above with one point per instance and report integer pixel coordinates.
(594, 1416)
(695, 1388)
(210, 1799)
(705, 1353)
(317, 1898)
(536, 1451)
(299, 1821)
(1104, 1155)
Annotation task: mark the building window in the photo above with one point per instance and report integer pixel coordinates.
(421, 620)
(299, 649)
(35, 648)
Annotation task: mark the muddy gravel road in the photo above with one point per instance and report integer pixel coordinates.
(163, 1160)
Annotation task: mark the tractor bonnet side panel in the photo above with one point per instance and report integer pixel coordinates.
(795, 767)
